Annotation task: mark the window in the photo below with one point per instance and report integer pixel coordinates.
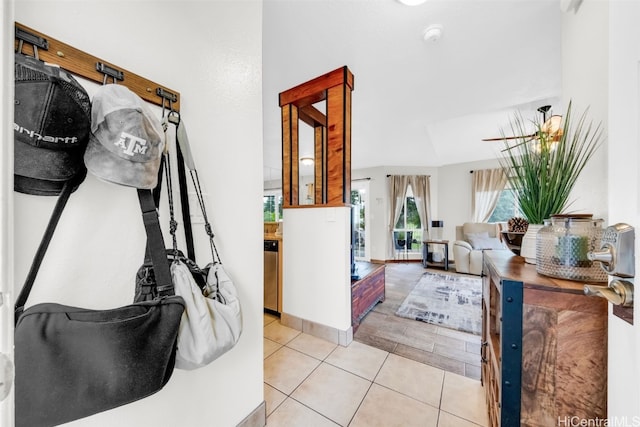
(272, 206)
(408, 230)
(506, 208)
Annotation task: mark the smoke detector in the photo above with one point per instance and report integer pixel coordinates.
(432, 33)
(412, 2)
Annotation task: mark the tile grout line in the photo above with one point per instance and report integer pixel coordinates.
(290, 396)
(310, 373)
(409, 397)
(404, 394)
(461, 417)
(371, 382)
(313, 410)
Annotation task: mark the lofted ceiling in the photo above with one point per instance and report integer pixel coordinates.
(416, 102)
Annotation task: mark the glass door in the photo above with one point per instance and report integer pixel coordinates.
(360, 202)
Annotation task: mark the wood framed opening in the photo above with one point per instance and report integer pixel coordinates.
(331, 140)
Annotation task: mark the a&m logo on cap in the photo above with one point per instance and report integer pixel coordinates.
(131, 144)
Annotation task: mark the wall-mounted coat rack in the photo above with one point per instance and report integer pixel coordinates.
(90, 67)
(82, 64)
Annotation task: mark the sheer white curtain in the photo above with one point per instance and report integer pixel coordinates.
(487, 184)
(397, 193)
(421, 187)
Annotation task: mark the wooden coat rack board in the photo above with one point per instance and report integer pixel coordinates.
(88, 66)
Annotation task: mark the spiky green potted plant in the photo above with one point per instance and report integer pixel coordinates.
(542, 167)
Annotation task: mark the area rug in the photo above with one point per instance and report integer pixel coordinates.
(447, 300)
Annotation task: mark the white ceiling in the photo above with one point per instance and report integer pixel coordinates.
(416, 103)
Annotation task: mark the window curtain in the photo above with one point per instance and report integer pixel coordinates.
(421, 187)
(397, 193)
(487, 184)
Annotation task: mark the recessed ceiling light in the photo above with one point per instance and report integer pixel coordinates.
(306, 160)
(432, 33)
(412, 2)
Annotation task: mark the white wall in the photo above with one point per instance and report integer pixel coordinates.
(455, 194)
(317, 267)
(624, 197)
(211, 53)
(585, 58)
(6, 211)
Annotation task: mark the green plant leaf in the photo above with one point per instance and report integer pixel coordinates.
(541, 171)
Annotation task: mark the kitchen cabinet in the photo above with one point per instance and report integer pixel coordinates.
(270, 237)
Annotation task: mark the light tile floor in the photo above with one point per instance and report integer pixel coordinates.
(310, 382)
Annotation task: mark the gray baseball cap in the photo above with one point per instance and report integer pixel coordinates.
(126, 141)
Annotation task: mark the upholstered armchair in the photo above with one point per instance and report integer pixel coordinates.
(472, 238)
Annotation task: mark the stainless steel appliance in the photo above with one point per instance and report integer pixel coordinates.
(271, 275)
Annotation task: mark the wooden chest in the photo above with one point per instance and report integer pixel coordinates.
(366, 292)
(544, 346)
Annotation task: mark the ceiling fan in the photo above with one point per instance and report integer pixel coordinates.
(551, 128)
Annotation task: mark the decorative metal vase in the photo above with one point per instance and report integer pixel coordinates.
(562, 246)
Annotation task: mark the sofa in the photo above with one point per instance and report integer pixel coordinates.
(472, 239)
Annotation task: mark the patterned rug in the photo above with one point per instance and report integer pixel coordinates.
(450, 301)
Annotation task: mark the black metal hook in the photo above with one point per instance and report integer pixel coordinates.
(109, 72)
(32, 39)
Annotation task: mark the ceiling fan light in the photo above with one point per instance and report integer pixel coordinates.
(553, 123)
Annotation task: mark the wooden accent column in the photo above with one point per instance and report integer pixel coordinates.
(332, 138)
(320, 174)
(290, 172)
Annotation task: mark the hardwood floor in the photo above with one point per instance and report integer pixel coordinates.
(450, 350)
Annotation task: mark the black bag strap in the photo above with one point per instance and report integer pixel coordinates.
(155, 243)
(173, 117)
(156, 201)
(182, 141)
(183, 158)
(44, 245)
(184, 203)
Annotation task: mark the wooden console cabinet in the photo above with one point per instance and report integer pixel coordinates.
(367, 291)
(544, 346)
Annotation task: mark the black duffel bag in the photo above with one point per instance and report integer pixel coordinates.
(73, 362)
